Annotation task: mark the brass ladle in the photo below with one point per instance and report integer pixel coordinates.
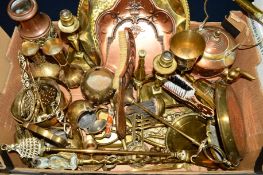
(41, 68)
(71, 75)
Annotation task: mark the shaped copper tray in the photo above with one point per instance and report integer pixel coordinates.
(153, 22)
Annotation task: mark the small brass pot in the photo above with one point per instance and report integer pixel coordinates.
(97, 85)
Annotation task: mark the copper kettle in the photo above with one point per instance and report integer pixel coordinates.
(220, 52)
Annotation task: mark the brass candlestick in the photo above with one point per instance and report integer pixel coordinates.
(69, 27)
(140, 74)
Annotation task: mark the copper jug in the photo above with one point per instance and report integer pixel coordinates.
(33, 25)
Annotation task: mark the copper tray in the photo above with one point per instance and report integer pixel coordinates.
(153, 22)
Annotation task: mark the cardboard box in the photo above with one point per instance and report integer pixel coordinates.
(249, 95)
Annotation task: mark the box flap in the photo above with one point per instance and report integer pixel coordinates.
(5, 64)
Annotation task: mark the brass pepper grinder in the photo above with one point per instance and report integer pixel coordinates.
(163, 65)
(32, 24)
(40, 68)
(69, 27)
(140, 74)
(71, 75)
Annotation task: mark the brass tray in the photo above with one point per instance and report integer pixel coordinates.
(230, 122)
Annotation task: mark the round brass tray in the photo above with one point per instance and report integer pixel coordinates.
(230, 122)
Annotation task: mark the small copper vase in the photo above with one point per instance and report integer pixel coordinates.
(33, 25)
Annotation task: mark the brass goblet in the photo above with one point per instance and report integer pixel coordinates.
(41, 68)
(187, 46)
(71, 75)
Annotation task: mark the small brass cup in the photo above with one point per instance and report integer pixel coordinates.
(187, 46)
(54, 47)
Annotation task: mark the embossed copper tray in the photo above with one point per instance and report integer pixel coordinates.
(153, 22)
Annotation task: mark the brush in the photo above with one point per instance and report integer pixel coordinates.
(183, 91)
(151, 105)
(123, 45)
(122, 77)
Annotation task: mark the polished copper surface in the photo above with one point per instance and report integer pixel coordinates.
(218, 54)
(33, 25)
(150, 25)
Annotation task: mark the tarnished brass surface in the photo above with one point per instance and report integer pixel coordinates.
(187, 46)
(223, 119)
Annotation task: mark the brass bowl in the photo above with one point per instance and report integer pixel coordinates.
(75, 110)
(97, 85)
(187, 46)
